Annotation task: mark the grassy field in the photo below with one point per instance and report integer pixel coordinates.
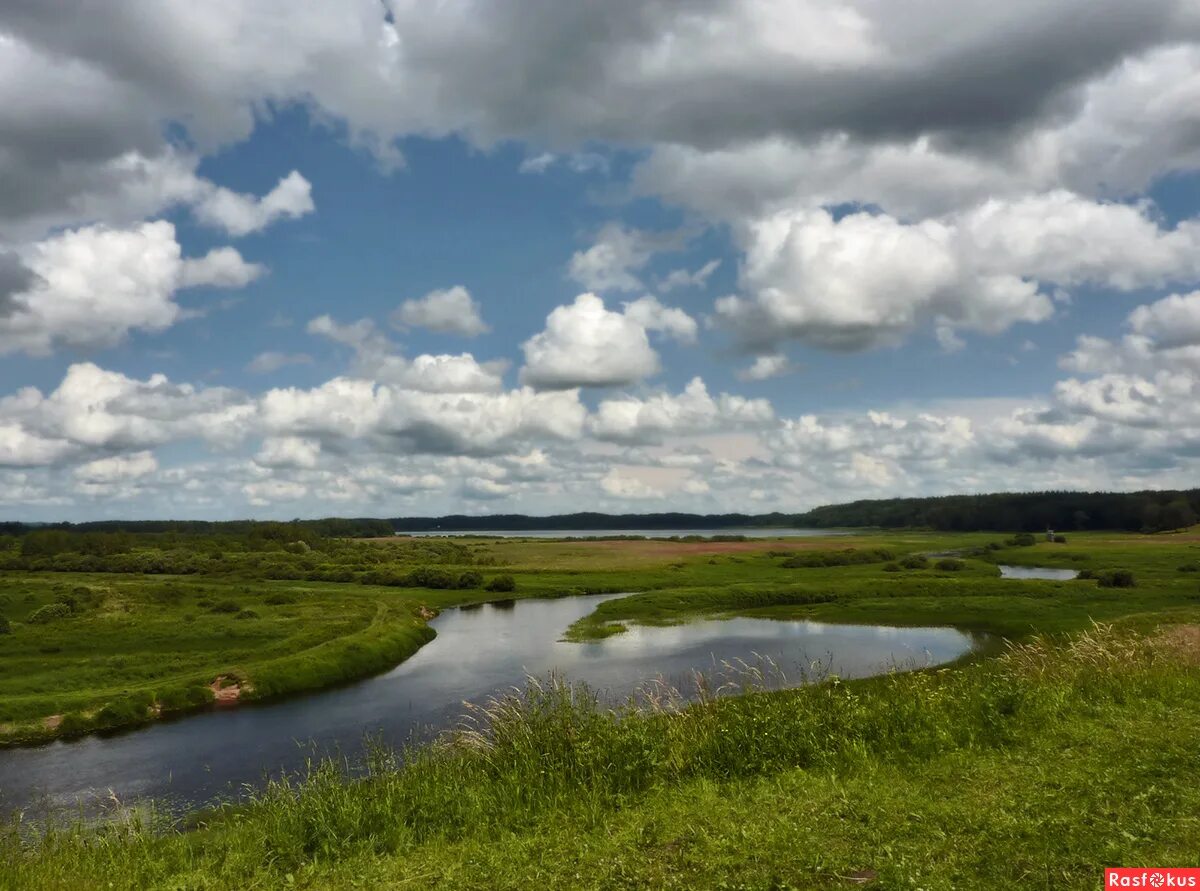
(97, 650)
(1072, 750)
(1031, 770)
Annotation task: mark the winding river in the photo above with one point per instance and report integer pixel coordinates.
(214, 755)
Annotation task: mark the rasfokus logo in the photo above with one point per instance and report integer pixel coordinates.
(1158, 877)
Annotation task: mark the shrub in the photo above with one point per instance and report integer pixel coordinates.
(74, 724)
(502, 583)
(1059, 539)
(5, 627)
(848, 557)
(470, 579)
(49, 613)
(1190, 567)
(891, 567)
(994, 546)
(424, 577)
(949, 564)
(68, 601)
(1116, 578)
(915, 561)
(126, 710)
(225, 606)
(279, 599)
(181, 698)
(1022, 540)
(1086, 574)
(247, 614)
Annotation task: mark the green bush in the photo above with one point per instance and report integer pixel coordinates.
(891, 567)
(132, 709)
(48, 613)
(5, 627)
(226, 606)
(502, 583)
(949, 564)
(848, 557)
(1116, 578)
(181, 698)
(247, 614)
(279, 599)
(470, 579)
(1022, 540)
(68, 601)
(1190, 567)
(74, 724)
(915, 561)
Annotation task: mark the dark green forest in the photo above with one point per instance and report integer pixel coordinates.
(1025, 512)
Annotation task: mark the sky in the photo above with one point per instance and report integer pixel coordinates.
(388, 257)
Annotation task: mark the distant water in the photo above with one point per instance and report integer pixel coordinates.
(478, 652)
(1038, 572)
(749, 532)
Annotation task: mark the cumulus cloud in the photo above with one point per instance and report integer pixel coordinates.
(766, 367)
(653, 316)
(869, 279)
(613, 260)
(692, 412)
(450, 311)
(240, 214)
(586, 345)
(94, 286)
(376, 358)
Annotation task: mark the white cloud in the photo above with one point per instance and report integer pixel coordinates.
(683, 278)
(766, 367)
(693, 411)
(616, 257)
(240, 214)
(271, 361)
(450, 311)
(620, 484)
(118, 468)
(869, 279)
(586, 345)
(653, 316)
(288, 451)
(94, 286)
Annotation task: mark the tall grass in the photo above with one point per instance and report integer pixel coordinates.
(553, 750)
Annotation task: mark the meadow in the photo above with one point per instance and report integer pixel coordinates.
(1071, 748)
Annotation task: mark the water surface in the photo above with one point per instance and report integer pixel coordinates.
(1038, 572)
(477, 652)
(748, 532)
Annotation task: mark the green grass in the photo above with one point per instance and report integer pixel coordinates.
(1030, 770)
(135, 646)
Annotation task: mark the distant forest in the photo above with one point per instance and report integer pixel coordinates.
(1021, 512)
(1150, 511)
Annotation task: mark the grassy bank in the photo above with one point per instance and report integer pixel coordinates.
(1034, 769)
(93, 650)
(125, 651)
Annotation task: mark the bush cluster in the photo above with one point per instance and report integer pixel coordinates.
(48, 613)
(848, 557)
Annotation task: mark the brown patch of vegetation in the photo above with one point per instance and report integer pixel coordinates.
(1182, 641)
(226, 690)
(52, 722)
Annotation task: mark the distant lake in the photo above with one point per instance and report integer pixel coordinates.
(1038, 572)
(477, 652)
(748, 532)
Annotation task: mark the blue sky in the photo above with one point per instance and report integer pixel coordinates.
(712, 256)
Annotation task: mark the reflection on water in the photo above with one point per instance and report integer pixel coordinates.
(477, 652)
(1038, 572)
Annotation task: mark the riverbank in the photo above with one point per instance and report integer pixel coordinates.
(1039, 766)
(103, 650)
